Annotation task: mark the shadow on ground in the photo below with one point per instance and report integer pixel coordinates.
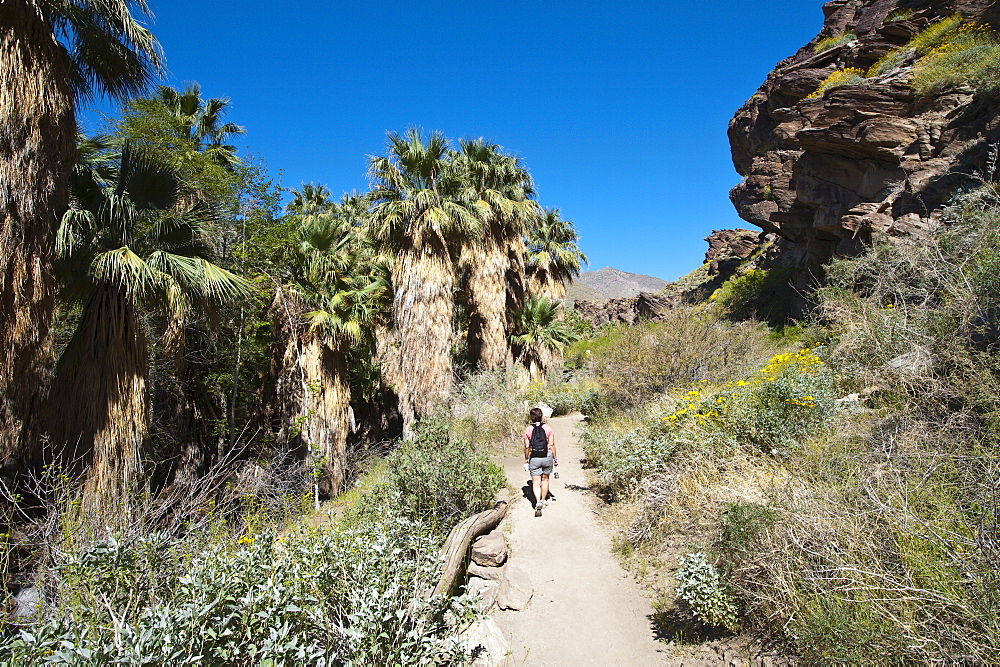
(674, 625)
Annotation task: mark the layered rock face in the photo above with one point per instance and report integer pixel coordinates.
(861, 162)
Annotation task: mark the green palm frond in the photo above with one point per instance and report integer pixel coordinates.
(538, 326)
(207, 282)
(75, 226)
(109, 52)
(551, 247)
(126, 271)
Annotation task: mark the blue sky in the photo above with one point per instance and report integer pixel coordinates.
(618, 108)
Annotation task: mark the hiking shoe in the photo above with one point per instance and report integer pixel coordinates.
(538, 509)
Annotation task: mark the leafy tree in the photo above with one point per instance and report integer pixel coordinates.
(499, 194)
(127, 243)
(419, 217)
(53, 54)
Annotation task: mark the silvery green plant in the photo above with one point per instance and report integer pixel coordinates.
(344, 596)
(702, 588)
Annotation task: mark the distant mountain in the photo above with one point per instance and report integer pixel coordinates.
(609, 283)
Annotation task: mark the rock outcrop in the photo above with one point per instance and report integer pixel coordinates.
(862, 162)
(728, 251)
(646, 306)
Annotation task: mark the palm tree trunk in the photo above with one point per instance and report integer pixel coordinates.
(188, 410)
(325, 409)
(37, 151)
(516, 279)
(313, 394)
(487, 267)
(422, 310)
(100, 409)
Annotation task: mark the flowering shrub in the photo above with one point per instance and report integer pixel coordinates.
(770, 412)
(970, 54)
(850, 76)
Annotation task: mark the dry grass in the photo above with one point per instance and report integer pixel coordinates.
(636, 364)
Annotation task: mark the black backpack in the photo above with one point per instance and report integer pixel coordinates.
(539, 443)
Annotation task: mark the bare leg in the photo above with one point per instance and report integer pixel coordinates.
(535, 488)
(545, 488)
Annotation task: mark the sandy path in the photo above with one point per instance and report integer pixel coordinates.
(586, 610)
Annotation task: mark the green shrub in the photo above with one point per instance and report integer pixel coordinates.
(828, 43)
(764, 294)
(633, 365)
(438, 480)
(487, 410)
(623, 460)
(563, 397)
(703, 590)
(899, 15)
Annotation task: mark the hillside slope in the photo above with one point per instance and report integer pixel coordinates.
(610, 283)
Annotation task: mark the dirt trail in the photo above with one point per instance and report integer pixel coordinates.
(586, 609)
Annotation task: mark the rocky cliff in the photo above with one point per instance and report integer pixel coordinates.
(864, 157)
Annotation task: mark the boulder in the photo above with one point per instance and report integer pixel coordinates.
(486, 642)
(28, 603)
(917, 363)
(490, 550)
(646, 306)
(515, 590)
(490, 573)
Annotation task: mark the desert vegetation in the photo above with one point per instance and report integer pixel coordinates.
(197, 358)
(830, 484)
(949, 52)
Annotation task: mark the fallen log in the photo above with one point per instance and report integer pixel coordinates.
(456, 548)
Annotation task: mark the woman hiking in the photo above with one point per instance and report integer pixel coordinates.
(539, 456)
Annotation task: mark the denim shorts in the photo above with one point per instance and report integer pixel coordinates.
(539, 467)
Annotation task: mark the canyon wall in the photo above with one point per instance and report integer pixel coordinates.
(867, 161)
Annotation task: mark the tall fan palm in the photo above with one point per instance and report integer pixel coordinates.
(539, 333)
(418, 217)
(126, 244)
(336, 275)
(500, 191)
(200, 121)
(52, 53)
(553, 258)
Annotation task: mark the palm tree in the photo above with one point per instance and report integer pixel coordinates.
(336, 275)
(539, 334)
(500, 193)
(418, 218)
(553, 257)
(125, 244)
(200, 121)
(53, 53)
